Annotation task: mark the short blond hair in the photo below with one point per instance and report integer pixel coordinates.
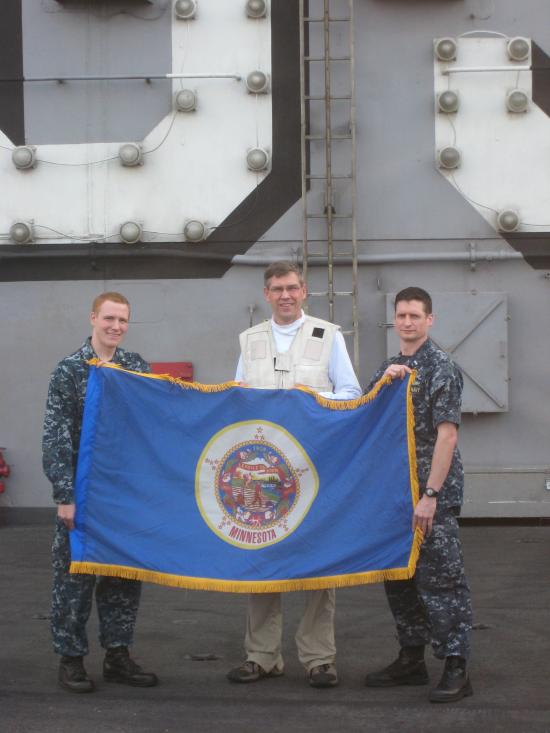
(113, 296)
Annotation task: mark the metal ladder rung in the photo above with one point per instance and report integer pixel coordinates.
(336, 255)
(319, 177)
(323, 253)
(330, 58)
(325, 293)
(322, 256)
(325, 216)
(330, 20)
(348, 333)
(324, 137)
(321, 98)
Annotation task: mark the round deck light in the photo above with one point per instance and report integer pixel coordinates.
(131, 232)
(257, 159)
(517, 101)
(508, 220)
(185, 9)
(449, 158)
(194, 231)
(186, 100)
(257, 82)
(24, 157)
(130, 154)
(447, 102)
(21, 232)
(518, 48)
(445, 49)
(256, 8)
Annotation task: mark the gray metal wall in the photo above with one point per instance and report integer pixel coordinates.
(405, 207)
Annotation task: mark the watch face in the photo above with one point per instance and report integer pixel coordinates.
(430, 493)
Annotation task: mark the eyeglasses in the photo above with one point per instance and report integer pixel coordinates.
(279, 290)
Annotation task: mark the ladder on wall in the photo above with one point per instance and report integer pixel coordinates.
(329, 160)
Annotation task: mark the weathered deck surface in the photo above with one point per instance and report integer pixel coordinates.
(509, 571)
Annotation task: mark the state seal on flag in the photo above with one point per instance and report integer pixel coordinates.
(254, 484)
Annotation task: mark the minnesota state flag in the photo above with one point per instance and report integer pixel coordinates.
(227, 488)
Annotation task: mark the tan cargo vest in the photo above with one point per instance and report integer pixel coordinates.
(306, 362)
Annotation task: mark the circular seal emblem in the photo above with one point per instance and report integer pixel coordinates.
(254, 484)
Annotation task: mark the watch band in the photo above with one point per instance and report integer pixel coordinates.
(432, 493)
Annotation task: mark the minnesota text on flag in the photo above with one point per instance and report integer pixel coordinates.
(221, 487)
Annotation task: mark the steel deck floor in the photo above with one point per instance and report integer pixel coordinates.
(508, 569)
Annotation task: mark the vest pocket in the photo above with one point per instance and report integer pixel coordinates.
(313, 350)
(313, 376)
(258, 349)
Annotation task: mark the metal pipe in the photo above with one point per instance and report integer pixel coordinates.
(389, 258)
(27, 251)
(303, 132)
(461, 69)
(118, 77)
(354, 244)
(328, 161)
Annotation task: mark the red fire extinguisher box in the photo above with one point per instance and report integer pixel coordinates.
(179, 369)
(4, 471)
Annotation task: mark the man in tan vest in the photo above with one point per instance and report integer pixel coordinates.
(292, 348)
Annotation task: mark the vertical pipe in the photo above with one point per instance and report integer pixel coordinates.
(328, 160)
(355, 285)
(303, 132)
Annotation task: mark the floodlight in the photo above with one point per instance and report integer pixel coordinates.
(131, 232)
(257, 82)
(508, 220)
(257, 159)
(130, 154)
(21, 232)
(449, 158)
(445, 49)
(24, 157)
(194, 231)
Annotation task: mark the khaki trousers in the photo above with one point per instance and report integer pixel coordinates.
(314, 637)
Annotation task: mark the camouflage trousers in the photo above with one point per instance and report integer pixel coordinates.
(435, 605)
(117, 602)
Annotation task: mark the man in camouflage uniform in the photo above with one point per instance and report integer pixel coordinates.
(434, 605)
(117, 599)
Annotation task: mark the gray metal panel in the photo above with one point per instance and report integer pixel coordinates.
(400, 194)
(77, 39)
(506, 493)
(473, 329)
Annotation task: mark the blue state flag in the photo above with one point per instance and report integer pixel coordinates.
(227, 488)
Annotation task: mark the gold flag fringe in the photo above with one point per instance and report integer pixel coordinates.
(413, 469)
(223, 386)
(241, 586)
(346, 404)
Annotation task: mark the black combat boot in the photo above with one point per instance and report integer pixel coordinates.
(72, 675)
(454, 683)
(118, 666)
(408, 669)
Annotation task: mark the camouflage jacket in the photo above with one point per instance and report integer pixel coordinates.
(63, 418)
(436, 394)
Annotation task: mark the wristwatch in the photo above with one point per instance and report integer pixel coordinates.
(432, 493)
